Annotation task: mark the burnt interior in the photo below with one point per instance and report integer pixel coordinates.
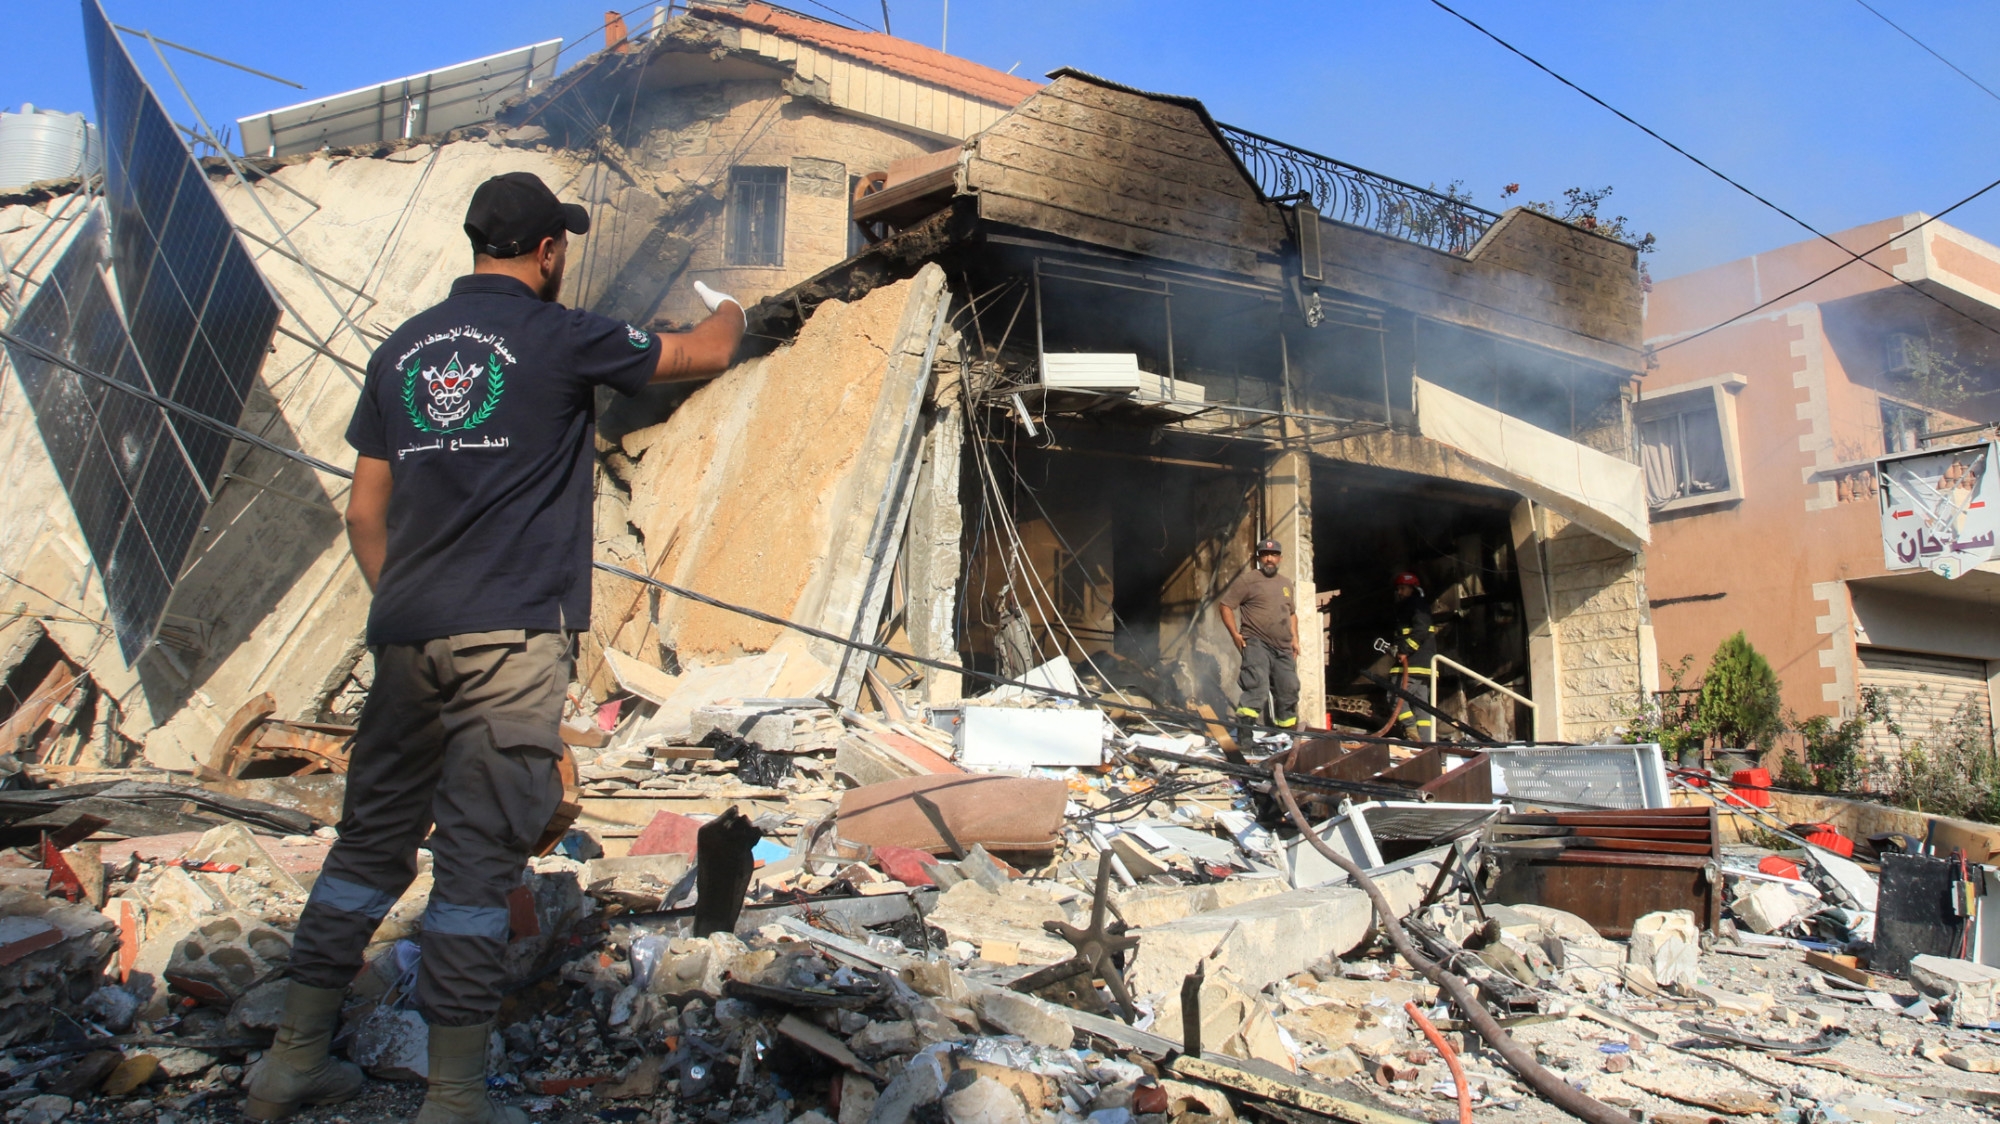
(1371, 524)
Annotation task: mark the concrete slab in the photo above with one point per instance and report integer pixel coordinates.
(1269, 937)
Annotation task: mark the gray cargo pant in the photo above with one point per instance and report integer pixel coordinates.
(1268, 673)
(459, 738)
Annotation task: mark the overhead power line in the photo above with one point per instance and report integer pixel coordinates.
(1836, 269)
(1181, 717)
(1927, 50)
(1707, 167)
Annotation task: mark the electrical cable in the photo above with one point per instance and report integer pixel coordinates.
(1185, 719)
(868, 27)
(1823, 276)
(1927, 50)
(1712, 170)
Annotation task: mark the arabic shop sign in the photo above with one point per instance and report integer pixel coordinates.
(1940, 509)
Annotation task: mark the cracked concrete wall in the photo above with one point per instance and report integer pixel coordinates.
(685, 141)
(759, 488)
(271, 599)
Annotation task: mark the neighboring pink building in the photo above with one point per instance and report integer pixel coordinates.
(1759, 441)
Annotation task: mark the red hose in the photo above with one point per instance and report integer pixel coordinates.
(1450, 1059)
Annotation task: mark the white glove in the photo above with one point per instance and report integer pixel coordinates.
(714, 300)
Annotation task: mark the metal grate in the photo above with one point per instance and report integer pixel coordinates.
(190, 319)
(1359, 197)
(757, 216)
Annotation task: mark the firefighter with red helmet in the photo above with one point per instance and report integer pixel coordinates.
(1414, 645)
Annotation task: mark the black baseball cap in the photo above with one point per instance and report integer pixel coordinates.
(1270, 546)
(511, 214)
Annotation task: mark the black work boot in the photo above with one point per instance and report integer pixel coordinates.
(458, 1080)
(296, 1070)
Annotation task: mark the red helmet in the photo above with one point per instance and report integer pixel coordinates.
(1407, 577)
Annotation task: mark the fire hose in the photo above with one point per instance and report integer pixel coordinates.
(1395, 707)
(1557, 1091)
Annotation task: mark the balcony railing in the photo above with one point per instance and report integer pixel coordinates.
(1359, 197)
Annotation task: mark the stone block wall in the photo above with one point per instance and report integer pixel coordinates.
(1598, 606)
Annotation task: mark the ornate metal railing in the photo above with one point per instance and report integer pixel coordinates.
(1348, 194)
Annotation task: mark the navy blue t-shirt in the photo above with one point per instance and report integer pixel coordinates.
(483, 407)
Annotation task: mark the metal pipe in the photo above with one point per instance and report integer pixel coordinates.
(1552, 1088)
(1471, 674)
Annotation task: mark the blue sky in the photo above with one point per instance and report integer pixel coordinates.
(1814, 103)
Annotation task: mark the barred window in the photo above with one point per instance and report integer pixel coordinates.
(757, 216)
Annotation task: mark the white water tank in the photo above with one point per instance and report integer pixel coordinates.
(42, 144)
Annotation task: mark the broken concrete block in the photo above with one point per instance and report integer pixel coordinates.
(1973, 1061)
(773, 729)
(880, 1039)
(1139, 861)
(261, 1007)
(640, 882)
(1185, 1097)
(1144, 907)
(1735, 1006)
(56, 974)
(1967, 989)
(1767, 907)
(920, 1083)
(857, 1099)
(984, 1101)
(174, 900)
(1269, 938)
(985, 869)
(937, 980)
(1234, 1020)
(225, 957)
(232, 844)
(970, 912)
(45, 1109)
(392, 1043)
(1668, 945)
(1332, 1025)
(1035, 1090)
(669, 833)
(1036, 1023)
(179, 1061)
(1337, 1066)
(698, 964)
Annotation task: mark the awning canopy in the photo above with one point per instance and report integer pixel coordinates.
(1605, 495)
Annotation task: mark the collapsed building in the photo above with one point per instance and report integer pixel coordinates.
(1040, 363)
(1030, 369)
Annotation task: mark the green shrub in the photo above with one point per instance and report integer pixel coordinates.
(1738, 706)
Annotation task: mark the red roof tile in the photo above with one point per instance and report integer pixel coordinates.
(912, 60)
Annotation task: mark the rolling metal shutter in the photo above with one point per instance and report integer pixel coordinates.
(1923, 693)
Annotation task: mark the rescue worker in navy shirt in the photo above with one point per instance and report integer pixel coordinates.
(1414, 644)
(1257, 610)
(470, 518)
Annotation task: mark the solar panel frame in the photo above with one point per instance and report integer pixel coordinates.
(191, 320)
(447, 98)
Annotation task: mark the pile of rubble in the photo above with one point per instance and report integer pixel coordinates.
(872, 928)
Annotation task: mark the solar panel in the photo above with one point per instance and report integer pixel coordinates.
(191, 319)
(436, 101)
